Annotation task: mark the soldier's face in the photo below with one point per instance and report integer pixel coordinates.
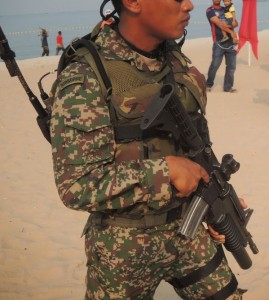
(165, 19)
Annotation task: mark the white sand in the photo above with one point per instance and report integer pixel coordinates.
(41, 252)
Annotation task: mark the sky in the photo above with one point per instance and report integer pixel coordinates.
(13, 7)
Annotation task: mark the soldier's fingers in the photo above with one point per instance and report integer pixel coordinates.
(204, 175)
(243, 203)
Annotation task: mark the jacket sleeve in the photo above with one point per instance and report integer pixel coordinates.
(83, 149)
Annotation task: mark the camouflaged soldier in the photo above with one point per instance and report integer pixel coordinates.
(104, 165)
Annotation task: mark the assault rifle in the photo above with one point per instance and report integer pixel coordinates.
(8, 56)
(215, 202)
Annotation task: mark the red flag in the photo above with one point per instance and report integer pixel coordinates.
(248, 27)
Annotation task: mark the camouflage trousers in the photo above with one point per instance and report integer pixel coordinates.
(129, 263)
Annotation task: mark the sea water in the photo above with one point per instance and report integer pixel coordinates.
(23, 30)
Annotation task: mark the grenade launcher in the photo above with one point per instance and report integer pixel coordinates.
(215, 202)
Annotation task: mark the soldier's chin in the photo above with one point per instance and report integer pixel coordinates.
(179, 38)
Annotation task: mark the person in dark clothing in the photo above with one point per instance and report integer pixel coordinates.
(44, 42)
(220, 49)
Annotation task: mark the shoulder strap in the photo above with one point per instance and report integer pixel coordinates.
(88, 51)
(86, 48)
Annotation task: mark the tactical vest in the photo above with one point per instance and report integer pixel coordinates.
(131, 93)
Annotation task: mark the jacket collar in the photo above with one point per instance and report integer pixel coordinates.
(113, 47)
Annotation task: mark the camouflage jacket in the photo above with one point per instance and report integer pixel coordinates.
(87, 174)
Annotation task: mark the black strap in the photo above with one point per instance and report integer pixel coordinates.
(94, 52)
(125, 133)
(200, 273)
(170, 78)
(84, 42)
(225, 292)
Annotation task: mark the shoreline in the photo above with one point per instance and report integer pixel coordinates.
(15, 46)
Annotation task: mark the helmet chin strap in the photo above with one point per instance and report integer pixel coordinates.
(106, 17)
(182, 38)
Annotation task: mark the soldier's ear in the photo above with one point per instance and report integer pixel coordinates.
(132, 5)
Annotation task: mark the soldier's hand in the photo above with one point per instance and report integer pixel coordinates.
(243, 203)
(185, 175)
(220, 238)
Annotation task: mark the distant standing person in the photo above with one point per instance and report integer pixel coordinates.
(59, 43)
(44, 42)
(225, 49)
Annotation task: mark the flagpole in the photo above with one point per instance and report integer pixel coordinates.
(249, 57)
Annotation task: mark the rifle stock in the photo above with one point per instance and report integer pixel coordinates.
(215, 202)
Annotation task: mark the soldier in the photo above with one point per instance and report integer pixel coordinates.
(126, 183)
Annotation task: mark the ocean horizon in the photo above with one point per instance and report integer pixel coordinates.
(22, 30)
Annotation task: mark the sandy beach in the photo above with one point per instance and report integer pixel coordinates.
(41, 252)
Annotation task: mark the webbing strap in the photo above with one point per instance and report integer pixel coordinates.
(93, 58)
(97, 60)
(200, 273)
(143, 221)
(125, 133)
(225, 292)
(87, 55)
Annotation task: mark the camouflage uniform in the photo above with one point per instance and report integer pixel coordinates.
(127, 181)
